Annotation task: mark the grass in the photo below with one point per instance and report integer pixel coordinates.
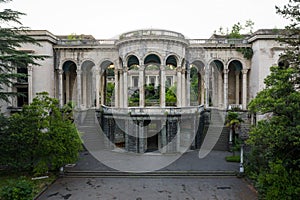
(233, 159)
(38, 185)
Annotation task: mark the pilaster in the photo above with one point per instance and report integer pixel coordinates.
(245, 71)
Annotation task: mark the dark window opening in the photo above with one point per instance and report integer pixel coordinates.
(25, 72)
(22, 98)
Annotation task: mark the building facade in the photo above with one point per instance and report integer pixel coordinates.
(147, 68)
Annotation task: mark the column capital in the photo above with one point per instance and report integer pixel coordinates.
(79, 72)
(226, 71)
(244, 71)
(60, 71)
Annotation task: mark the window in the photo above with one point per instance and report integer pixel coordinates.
(22, 98)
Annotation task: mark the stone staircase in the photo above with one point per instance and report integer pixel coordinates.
(88, 125)
(155, 174)
(216, 136)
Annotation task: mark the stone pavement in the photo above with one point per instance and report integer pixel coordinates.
(189, 161)
(144, 188)
(206, 188)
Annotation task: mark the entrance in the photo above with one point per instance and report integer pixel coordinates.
(153, 130)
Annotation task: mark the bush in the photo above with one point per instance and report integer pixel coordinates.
(233, 159)
(20, 189)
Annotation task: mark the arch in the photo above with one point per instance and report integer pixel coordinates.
(104, 64)
(68, 65)
(132, 60)
(236, 60)
(152, 58)
(69, 91)
(215, 82)
(172, 60)
(197, 80)
(218, 64)
(88, 83)
(199, 64)
(237, 65)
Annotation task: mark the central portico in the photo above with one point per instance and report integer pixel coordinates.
(152, 68)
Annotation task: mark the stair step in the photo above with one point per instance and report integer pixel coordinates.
(148, 174)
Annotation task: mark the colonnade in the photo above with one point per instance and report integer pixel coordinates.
(220, 87)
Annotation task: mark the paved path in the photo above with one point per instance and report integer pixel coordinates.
(189, 161)
(226, 188)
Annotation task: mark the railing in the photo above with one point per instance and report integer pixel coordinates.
(110, 42)
(153, 110)
(218, 41)
(86, 42)
(154, 32)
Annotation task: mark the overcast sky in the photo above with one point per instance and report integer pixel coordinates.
(106, 19)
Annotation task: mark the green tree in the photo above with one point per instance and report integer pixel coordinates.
(40, 138)
(12, 36)
(275, 142)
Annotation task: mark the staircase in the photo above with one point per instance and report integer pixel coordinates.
(155, 174)
(88, 125)
(216, 137)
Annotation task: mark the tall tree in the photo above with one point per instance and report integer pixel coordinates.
(275, 142)
(12, 36)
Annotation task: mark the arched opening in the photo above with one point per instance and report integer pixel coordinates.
(197, 81)
(69, 82)
(152, 80)
(88, 84)
(170, 81)
(107, 83)
(216, 68)
(133, 81)
(235, 82)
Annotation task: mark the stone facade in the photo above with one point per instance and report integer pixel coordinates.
(76, 69)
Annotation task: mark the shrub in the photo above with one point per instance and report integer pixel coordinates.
(20, 189)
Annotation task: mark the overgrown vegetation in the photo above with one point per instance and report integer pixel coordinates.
(236, 33)
(274, 160)
(39, 138)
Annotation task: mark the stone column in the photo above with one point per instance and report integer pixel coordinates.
(188, 88)
(213, 89)
(117, 88)
(30, 92)
(220, 83)
(78, 78)
(97, 88)
(178, 92)
(102, 89)
(162, 87)
(202, 90)
(226, 71)
(84, 89)
(60, 86)
(244, 71)
(121, 92)
(67, 86)
(207, 74)
(141, 137)
(183, 85)
(125, 103)
(237, 87)
(141, 86)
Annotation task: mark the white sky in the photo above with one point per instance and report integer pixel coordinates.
(106, 19)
